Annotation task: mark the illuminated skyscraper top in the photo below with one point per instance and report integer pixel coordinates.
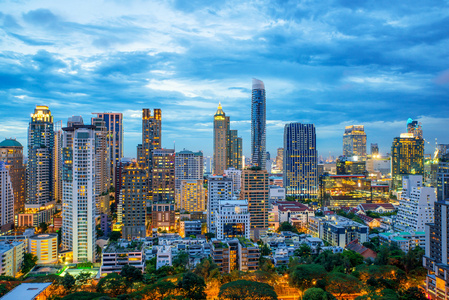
(354, 141)
(415, 128)
(258, 124)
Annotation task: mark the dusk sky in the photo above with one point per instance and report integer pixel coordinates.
(330, 63)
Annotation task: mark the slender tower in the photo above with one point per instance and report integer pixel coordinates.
(221, 128)
(258, 124)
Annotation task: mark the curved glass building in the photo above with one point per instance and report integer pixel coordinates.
(258, 124)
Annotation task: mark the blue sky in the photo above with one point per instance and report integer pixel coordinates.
(331, 63)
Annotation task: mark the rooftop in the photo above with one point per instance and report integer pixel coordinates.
(124, 247)
(10, 143)
(26, 291)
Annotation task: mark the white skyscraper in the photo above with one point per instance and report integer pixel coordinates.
(232, 219)
(188, 165)
(78, 212)
(416, 207)
(6, 199)
(236, 176)
(219, 188)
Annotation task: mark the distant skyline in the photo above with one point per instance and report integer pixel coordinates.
(331, 63)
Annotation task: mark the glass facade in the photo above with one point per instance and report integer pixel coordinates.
(258, 124)
(354, 141)
(407, 158)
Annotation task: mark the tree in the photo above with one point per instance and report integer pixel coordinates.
(68, 281)
(181, 260)
(159, 290)
(265, 250)
(114, 236)
(113, 284)
(303, 251)
(317, 294)
(192, 286)
(43, 227)
(286, 226)
(82, 278)
(209, 235)
(3, 289)
(340, 283)
(207, 269)
(85, 296)
(245, 289)
(131, 274)
(412, 293)
(29, 261)
(304, 276)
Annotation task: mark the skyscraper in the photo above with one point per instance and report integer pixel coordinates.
(190, 196)
(234, 150)
(6, 199)
(11, 153)
(163, 176)
(354, 141)
(415, 128)
(218, 188)
(255, 189)
(57, 161)
(300, 161)
(407, 158)
(280, 160)
(40, 187)
(374, 150)
(114, 126)
(134, 193)
(78, 201)
(188, 165)
(189, 191)
(258, 124)
(221, 128)
(151, 138)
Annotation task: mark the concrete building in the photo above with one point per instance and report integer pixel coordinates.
(191, 196)
(406, 240)
(232, 219)
(219, 188)
(188, 166)
(151, 140)
(188, 228)
(378, 164)
(11, 153)
(11, 257)
(163, 175)
(163, 216)
(105, 224)
(6, 199)
(235, 254)
(164, 257)
(276, 193)
(121, 253)
(44, 247)
(354, 141)
(221, 128)
(78, 201)
(285, 211)
(416, 206)
(255, 190)
(236, 176)
(258, 124)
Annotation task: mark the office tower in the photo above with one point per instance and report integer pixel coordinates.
(190, 197)
(218, 188)
(114, 127)
(6, 199)
(374, 150)
(57, 161)
(416, 206)
(436, 258)
(134, 210)
(163, 176)
(102, 165)
(188, 165)
(232, 219)
(258, 124)
(221, 128)
(407, 158)
(78, 200)
(280, 159)
(414, 128)
(236, 176)
(350, 166)
(140, 155)
(354, 141)
(300, 161)
(40, 188)
(11, 153)
(255, 189)
(208, 165)
(234, 150)
(151, 138)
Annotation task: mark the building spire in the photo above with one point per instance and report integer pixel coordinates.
(220, 111)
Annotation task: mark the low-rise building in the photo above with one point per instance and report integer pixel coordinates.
(164, 257)
(405, 240)
(376, 207)
(285, 211)
(120, 253)
(44, 247)
(30, 291)
(11, 257)
(188, 228)
(232, 219)
(235, 254)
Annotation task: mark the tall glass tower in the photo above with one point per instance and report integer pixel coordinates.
(258, 124)
(300, 161)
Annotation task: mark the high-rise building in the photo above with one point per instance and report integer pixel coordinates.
(236, 176)
(114, 127)
(41, 139)
(188, 165)
(57, 161)
(163, 175)
(300, 161)
(416, 206)
(151, 138)
(436, 258)
(354, 141)
(258, 124)
(407, 158)
(134, 193)
(78, 201)
(232, 219)
(280, 160)
(11, 153)
(350, 166)
(218, 188)
(221, 128)
(255, 189)
(234, 150)
(208, 165)
(415, 128)
(191, 196)
(374, 150)
(6, 199)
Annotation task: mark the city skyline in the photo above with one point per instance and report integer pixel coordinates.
(358, 64)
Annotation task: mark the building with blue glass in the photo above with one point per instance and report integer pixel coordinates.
(258, 124)
(300, 161)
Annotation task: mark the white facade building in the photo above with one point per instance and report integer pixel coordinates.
(78, 207)
(6, 197)
(232, 219)
(164, 257)
(219, 188)
(416, 206)
(276, 193)
(11, 257)
(236, 176)
(188, 165)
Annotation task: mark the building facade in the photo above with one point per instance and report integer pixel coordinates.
(236, 176)
(44, 247)
(218, 188)
(6, 199)
(258, 124)
(11, 257)
(232, 219)
(221, 128)
(255, 189)
(191, 196)
(163, 176)
(354, 141)
(151, 139)
(300, 161)
(188, 166)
